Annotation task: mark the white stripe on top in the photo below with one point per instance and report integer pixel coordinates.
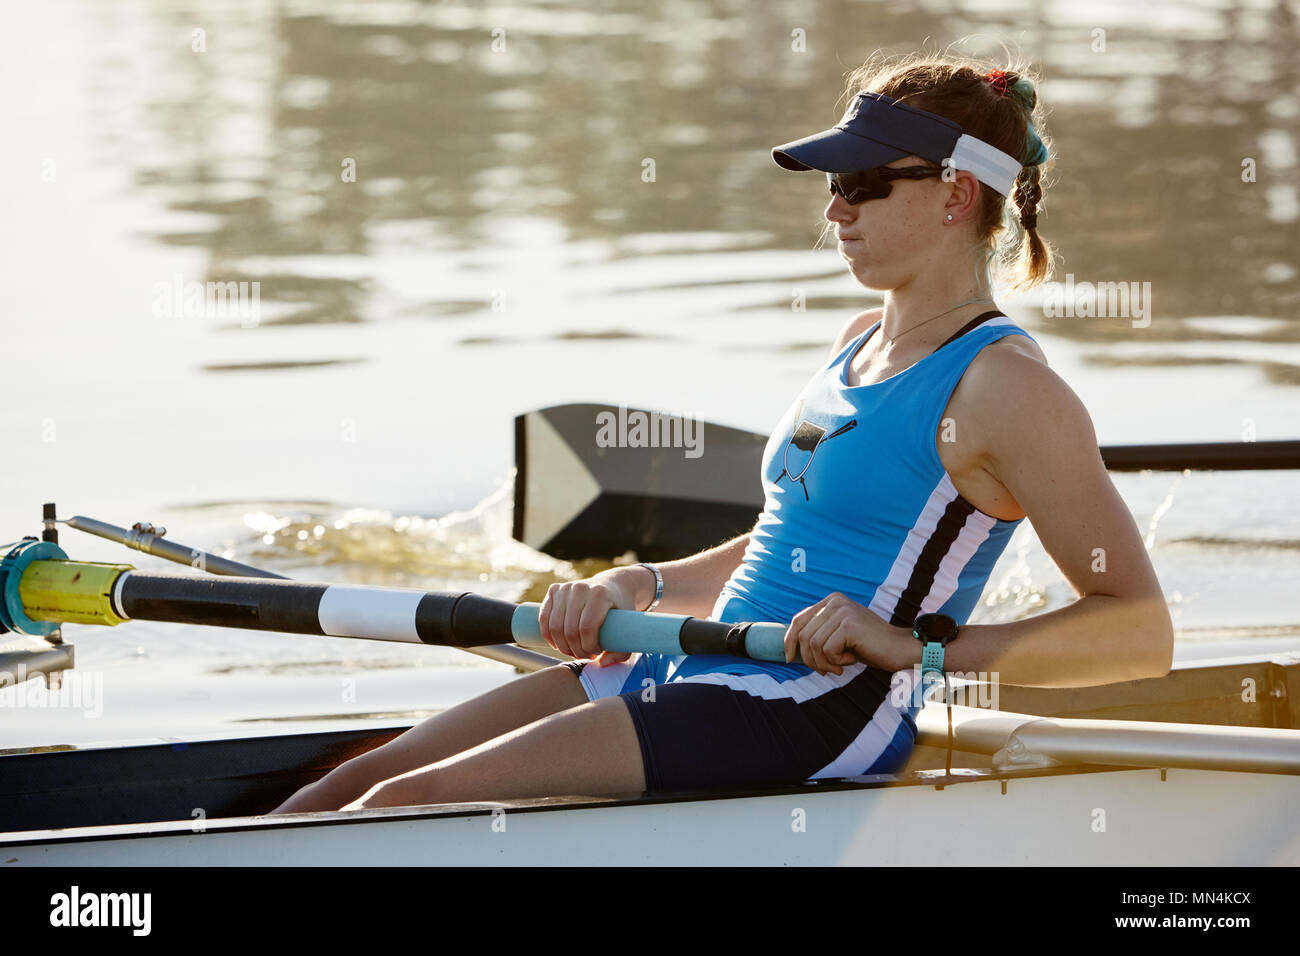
(973, 533)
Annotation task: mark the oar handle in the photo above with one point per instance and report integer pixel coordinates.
(671, 634)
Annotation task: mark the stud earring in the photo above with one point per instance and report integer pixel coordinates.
(949, 217)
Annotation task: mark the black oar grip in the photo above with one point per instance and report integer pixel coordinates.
(700, 636)
(463, 620)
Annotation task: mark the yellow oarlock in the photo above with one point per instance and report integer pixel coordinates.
(70, 592)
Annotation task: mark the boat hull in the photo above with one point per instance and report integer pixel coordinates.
(1139, 817)
(1040, 790)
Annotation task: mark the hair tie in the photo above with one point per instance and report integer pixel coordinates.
(1035, 151)
(1030, 221)
(1021, 92)
(999, 79)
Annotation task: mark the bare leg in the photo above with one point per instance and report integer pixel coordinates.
(464, 726)
(590, 749)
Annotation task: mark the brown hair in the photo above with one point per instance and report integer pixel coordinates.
(1001, 114)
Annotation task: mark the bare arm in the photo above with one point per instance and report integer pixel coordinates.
(1040, 444)
(691, 585)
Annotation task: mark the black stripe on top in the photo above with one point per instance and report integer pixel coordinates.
(926, 569)
(973, 323)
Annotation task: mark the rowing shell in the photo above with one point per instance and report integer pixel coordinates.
(179, 799)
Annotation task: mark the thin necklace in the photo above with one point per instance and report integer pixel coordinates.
(931, 319)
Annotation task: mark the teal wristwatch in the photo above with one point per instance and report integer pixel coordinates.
(935, 632)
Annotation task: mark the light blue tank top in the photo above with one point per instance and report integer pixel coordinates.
(858, 500)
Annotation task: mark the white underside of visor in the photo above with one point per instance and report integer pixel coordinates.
(991, 166)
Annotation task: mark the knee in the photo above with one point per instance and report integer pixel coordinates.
(410, 789)
(346, 781)
(326, 793)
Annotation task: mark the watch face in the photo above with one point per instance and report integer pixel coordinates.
(935, 627)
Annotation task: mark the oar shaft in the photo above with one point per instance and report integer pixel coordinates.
(1221, 456)
(404, 615)
(143, 537)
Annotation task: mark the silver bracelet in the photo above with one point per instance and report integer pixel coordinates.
(659, 586)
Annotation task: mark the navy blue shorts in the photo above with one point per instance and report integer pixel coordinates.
(709, 722)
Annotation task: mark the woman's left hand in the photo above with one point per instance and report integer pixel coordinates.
(836, 632)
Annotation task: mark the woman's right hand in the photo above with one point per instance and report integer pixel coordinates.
(572, 612)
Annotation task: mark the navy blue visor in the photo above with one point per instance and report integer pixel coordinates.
(877, 130)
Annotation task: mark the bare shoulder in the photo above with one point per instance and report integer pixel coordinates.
(1013, 366)
(1037, 441)
(1015, 344)
(856, 326)
(1022, 405)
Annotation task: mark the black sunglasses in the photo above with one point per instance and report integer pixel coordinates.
(875, 183)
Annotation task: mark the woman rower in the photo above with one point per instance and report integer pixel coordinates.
(892, 485)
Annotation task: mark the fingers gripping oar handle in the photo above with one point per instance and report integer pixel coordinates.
(46, 589)
(672, 634)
